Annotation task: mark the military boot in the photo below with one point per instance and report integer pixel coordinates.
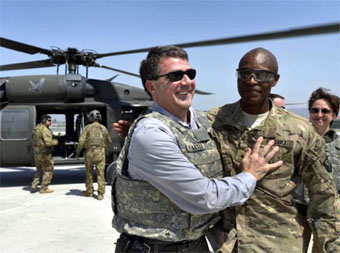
(47, 190)
(100, 196)
(33, 188)
(86, 194)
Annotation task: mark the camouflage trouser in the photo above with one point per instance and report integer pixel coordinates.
(222, 240)
(305, 230)
(95, 157)
(44, 168)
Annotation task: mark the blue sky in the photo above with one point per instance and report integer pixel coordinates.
(305, 63)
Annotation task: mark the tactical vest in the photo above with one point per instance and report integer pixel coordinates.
(141, 209)
(36, 133)
(333, 154)
(95, 136)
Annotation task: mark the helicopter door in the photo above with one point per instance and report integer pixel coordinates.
(16, 124)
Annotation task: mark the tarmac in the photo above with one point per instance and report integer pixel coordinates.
(62, 221)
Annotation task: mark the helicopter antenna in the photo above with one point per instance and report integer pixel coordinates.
(110, 79)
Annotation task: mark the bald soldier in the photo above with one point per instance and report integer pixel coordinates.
(267, 221)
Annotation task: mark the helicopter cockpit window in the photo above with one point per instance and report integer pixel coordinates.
(14, 124)
(58, 125)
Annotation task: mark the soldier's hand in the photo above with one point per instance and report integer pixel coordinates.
(257, 161)
(122, 128)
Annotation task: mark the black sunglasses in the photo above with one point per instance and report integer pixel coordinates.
(178, 75)
(317, 110)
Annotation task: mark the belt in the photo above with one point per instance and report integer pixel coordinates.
(302, 209)
(145, 245)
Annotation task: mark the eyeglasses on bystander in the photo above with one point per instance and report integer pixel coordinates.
(259, 75)
(317, 110)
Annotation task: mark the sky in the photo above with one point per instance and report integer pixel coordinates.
(305, 63)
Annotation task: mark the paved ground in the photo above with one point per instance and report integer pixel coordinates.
(62, 221)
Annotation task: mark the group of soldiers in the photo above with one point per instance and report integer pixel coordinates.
(95, 139)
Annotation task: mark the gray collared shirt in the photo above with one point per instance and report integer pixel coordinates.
(154, 156)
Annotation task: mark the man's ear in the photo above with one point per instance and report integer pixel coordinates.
(150, 86)
(276, 80)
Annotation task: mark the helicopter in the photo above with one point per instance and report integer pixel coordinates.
(24, 99)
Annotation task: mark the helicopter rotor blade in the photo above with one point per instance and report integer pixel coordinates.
(22, 47)
(323, 29)
(296, 103)
(110, 79)
(117, 70)
(201, 92)
(27, 65)
(298, 32)
(142, 50)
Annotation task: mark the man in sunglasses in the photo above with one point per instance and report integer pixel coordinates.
(267, 222)
(168, 184)
(43, 144)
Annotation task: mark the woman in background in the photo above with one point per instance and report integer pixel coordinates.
(323, 109)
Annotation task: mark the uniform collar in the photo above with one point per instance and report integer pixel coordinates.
(193, 116)
(330, 136)
(266, 128)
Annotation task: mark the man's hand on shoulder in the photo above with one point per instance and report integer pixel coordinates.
(257, 163)
(122, 128)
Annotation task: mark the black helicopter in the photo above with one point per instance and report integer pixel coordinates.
(24, 99)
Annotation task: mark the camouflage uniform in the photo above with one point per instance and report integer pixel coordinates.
(333, 154)
(267, 221)
(300, 195)
(332, 149)
(43, 146)
(94, 139)
(142, 210)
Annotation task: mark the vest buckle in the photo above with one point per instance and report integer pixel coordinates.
(141, 247)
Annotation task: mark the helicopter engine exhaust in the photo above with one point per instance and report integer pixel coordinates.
(44, 88)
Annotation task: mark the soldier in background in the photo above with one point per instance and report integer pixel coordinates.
(95, 139)
(323, 109)
(278, 100)
(43, 143)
